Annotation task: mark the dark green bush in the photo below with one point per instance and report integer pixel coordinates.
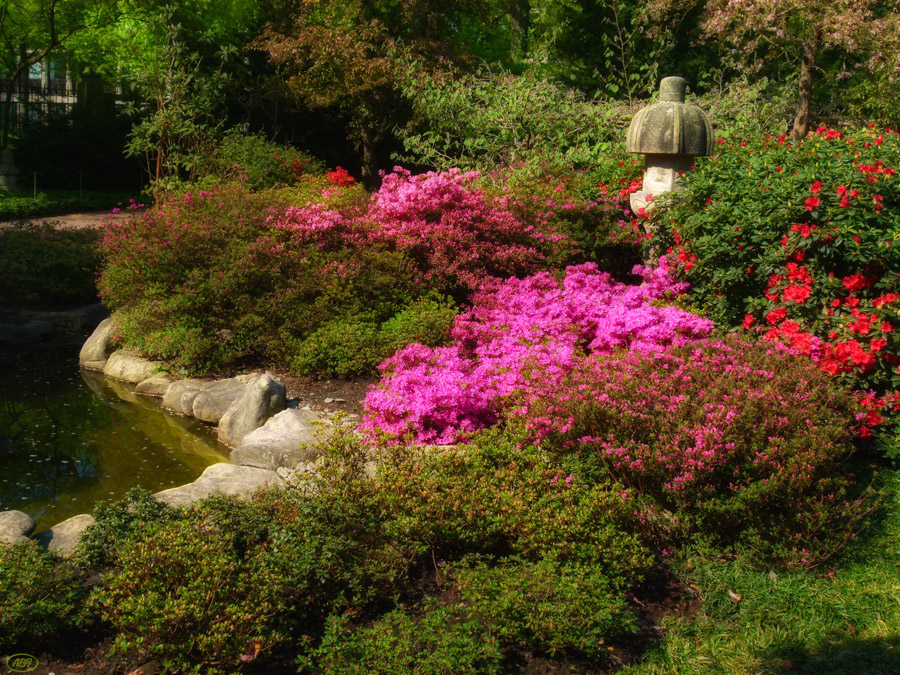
(437, 642)
(258, 163)
(351, 348)
(41, 597)
(47, 266)
(550, 605)
(205, 283)
(115, 523)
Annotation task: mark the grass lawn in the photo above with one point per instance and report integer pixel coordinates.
(842, 619)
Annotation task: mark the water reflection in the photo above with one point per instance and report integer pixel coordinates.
(69, 437)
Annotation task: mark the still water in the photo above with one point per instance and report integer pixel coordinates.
(69, 438)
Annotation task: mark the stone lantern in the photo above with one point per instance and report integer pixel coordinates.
(670, 134)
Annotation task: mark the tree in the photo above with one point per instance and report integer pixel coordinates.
(31, 30)
(344, 54)
(760, 32)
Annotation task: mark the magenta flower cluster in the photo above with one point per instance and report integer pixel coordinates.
(516, 332)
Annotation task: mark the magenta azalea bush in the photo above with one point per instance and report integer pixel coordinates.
(516, 328)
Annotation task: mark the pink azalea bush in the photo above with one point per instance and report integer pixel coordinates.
(456, 236)
(515, 328)
(729, 438)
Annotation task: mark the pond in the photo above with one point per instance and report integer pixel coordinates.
(69, 438)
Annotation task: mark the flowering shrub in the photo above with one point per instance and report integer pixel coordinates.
(219, 279)
(515, 326)
(799, 243)
(455, 236)
(734, 441)
(590, 207)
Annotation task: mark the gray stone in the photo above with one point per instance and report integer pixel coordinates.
(225, 478)
(129, 366)
(216, 398)
(157, 385)
(262, 398)
(63, 538)
(286, 440)
(15, 526)
(22, 334)
(179, 397)
(96, 350)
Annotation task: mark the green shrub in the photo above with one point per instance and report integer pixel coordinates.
(195, 593)
(48, 266)
(258, 163)
(207, 284)
(115, 522)
(348, 348)
(550, 605)
(16, 206)
(41, 596)
(490, 120)
(437, 642)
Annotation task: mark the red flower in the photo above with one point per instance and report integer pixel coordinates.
(816, 187)
(776, 315)
(748, 321)
(798, 294)
(812, 203)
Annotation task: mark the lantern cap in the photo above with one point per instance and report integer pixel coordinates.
(670, 126)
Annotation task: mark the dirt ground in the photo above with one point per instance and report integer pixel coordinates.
(74, 221)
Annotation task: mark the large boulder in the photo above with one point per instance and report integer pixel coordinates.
(179, 397)
(15, 526)
(157, 385)
(63, 538)
(98, 347)
(225, 478)
(262, 398)
(216, 398)
(129, 366)
(286, 440)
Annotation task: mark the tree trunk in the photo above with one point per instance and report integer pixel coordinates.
(367, 141)
(519, 12)
(800, 126)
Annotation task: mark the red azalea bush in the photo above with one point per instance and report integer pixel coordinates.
(798, 242)
(737, 442)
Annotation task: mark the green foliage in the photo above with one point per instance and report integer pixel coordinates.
(16, 206)
(41, 597)
(185, 592)
(257, 163)
(491, 120)
(439, 641)
(115, 523)
(48, 266)
(348, 348)
(549, 604)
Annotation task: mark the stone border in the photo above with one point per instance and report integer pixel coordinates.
(271, 444)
